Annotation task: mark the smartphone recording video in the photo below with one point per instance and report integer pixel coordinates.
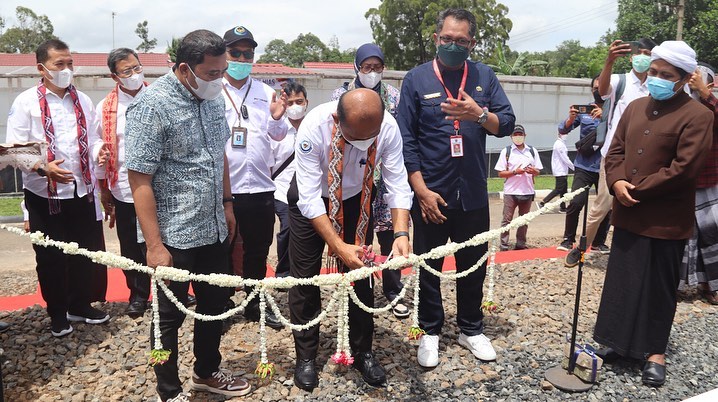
(584, 109)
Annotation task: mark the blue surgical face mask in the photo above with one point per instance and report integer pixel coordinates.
(660, 89)
(641, 62)
(452, 55)
(238, 70)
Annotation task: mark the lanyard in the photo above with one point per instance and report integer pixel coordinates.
(239, 115)
(448, 93)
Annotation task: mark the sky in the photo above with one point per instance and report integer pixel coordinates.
(87, 26)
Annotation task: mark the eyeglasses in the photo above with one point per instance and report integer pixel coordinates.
(445, 40)
(367, 68)
(128, 72)
(236, 53)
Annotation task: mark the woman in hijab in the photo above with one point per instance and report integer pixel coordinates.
(660, 145)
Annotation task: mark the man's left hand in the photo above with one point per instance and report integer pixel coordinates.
(401, 247)
(231, 221)
(465, 109)
(278, 106)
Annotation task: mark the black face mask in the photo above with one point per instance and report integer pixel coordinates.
(597, 97)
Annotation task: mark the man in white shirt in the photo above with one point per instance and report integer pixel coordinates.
(255, 117)
(59, 195)
(634, 87)
(126, 71)
(560, 165)
(518, 164)
(338, 144)
(283, 170)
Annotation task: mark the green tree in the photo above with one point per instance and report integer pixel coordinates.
(172, 48)
(276, 51)
(143, 32)
(658, 20)
(403, 28)
(306, 47)
(520, 64)
(31, 30)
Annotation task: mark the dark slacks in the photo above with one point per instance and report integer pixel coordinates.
(583, 178)
(390, 278)
(639, 294)
(66, 282)
(559, 189)
(511, 203)
(211, 300)
(306, 248)
(126, 222)
(255, 223)
(282, 211)
(459, 226)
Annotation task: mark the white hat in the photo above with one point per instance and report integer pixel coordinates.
(677, 53)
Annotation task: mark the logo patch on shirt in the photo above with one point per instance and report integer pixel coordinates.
(432, 96)
(305, 147)
(479, 89)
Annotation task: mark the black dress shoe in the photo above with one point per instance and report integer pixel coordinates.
(191, 300)
(252, 313)
(305, 375)
(4, 326)
(371, 371)
(136, 309)
(654, 374)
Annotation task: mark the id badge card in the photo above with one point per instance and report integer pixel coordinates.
(457, 146)
(239, 137)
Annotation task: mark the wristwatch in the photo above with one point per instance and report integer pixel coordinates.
(484, 116)
(41, 172)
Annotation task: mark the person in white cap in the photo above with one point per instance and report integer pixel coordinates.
(659, 147)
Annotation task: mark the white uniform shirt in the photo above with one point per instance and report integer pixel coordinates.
(24, 124)
(281, 151)
(560, 163)
(520, 184)
(312, 158)
(249, 166)
(121, 190)
(633, 90)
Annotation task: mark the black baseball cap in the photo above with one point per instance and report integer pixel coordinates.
(238, 33)
(519, 129)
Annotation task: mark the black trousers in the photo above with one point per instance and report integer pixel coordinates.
(66, 282)
(126, 222)
(560, 189)
(390, 278)
(210, 259)
(282, 211)
(459, 226)
(583, 178)
(255, 223)
(306, 248)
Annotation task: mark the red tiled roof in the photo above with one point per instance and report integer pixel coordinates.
(279, 70)
(321, 64)
(84, 59)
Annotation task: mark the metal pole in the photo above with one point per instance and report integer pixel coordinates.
(681, 9)
(113, 29)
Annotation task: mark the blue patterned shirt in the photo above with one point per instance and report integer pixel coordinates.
(180, 140)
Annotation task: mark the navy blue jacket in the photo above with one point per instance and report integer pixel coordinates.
(426, 133)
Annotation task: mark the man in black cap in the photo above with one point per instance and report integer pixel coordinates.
(256, 118)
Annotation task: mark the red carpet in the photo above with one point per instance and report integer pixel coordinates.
(117, 290)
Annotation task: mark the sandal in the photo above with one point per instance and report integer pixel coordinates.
(400, 311)
(711, 296)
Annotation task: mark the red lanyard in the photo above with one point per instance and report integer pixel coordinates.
(448, 93)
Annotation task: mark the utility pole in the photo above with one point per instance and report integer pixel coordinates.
(113, 28)
(681, 9)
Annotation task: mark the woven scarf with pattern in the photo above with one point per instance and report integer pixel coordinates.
(82, 143)
(336, 207)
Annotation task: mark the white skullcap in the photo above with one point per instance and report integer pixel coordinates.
(707, 72)
(676, 53)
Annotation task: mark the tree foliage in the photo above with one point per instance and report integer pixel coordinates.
(403, 28)
(305, 48)
(658, 20)
(521, 64)
(172, 47)
(143, 32)
(29, 32)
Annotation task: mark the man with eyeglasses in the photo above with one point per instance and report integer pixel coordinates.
(448, 107)
(59, 195)
(126, 71)
(255, 115)
(369, 66)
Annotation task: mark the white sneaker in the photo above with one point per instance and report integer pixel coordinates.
(428, 353)
(479, 345)
(179, 398)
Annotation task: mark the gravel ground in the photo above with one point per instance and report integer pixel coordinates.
(108, 362)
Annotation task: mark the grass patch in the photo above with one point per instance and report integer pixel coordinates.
(543, 182)
(10, 206)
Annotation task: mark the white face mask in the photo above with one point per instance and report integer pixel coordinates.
(133, 82)
(562, 136)
(296, 112)
(518, 139)
(370, 80)
(361, 145)
(61, 79)
(207, 90)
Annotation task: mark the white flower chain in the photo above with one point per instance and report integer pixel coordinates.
(490, 271)
(262, 328)
(157, 333)
(415, 312)
(392, 304)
